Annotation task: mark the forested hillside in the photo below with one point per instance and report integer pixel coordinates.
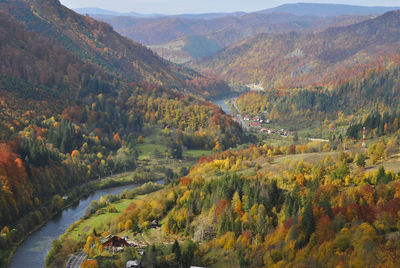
(376, 89)
(295, 59)
(66, 117)
(97, 43)
(266, 206)
(80, 102)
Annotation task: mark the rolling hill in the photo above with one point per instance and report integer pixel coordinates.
(301, 59)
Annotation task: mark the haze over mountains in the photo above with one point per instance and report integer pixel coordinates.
(310, 9)
(99, 12)
(182, 38)
(327, 10)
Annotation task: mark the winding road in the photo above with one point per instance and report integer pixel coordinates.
(239, 116)
(76, 260)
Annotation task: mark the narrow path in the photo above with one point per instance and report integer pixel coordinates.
(76, 260)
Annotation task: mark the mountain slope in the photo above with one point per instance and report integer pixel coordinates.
(65, 120)
(90, 40)
(295, 59)
(95, 42)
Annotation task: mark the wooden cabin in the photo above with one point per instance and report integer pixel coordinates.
(113, 241)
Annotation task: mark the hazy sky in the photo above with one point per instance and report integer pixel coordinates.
(203, 6)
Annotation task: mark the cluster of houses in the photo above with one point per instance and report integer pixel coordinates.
(256, 119)
(257, 123)
(115, 244)
(281, 132)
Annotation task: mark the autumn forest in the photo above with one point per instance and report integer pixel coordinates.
(298, 167)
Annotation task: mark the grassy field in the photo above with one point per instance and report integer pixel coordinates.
(190, 154)
(124, 178)
(99, 219)
(307, 157)
(152, 151)
(154, 146)
(392, 164)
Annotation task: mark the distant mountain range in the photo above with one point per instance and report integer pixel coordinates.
(301, 9)
(98, 12)
(302, 59)
(171, 36)
(327, 10)
(191, 40)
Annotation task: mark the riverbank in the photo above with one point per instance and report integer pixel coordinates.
(152, 166)
(86, 235)
(99, 214)
(80, 192)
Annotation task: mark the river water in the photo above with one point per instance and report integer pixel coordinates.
(33, 251)
(224, 107)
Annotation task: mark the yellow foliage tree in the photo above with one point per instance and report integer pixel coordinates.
(128, 225)
(120, 227)
(102, 202)
(89, 264)
(218, 146)
(236, 203)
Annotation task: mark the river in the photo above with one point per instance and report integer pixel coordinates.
(33, 251)
(227, 110)
(224, 107)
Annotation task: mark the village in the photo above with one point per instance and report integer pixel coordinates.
(259, 124)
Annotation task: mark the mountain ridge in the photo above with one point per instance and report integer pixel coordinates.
(300, 8)
(167, 35)
(326, 10)
(301, 59)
